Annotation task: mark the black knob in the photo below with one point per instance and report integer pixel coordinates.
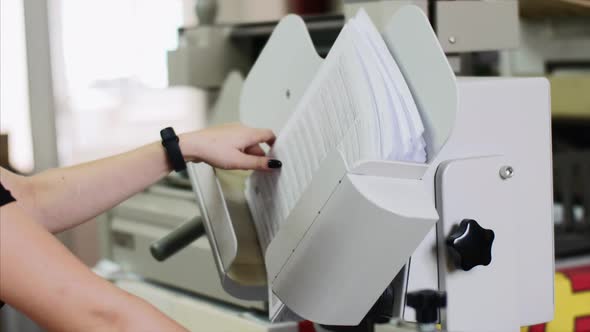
(470, 245)
(426, 303)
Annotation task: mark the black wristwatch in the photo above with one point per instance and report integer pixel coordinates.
(170, 143)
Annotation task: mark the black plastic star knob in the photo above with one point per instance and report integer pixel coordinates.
(470, 245)
(426, 304)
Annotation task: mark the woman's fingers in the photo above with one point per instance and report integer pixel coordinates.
(254, 162)
(258, 163)
(264, 136)
(230, 147)
(254, 157)
(255, 150)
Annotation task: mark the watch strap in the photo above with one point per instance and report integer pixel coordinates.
(170, 143)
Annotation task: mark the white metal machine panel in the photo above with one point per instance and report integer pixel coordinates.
(223, 235)
(485, 295)
(333, 257)
(280, 75)
(427, 72)
(213, 208)
(509, 117)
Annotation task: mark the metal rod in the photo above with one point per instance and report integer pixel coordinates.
(178, 239)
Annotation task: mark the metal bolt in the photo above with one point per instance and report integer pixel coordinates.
(452, 39)
(506, 172)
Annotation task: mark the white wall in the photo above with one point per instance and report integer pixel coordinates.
(14, 94)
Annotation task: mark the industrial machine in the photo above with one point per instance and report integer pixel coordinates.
(464, 240)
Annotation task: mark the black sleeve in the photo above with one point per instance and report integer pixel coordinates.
(5, 196)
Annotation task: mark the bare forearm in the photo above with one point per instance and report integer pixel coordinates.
(62, 198)
(65, 197)
(46, 282)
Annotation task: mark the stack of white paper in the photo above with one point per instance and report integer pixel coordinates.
(358, 103)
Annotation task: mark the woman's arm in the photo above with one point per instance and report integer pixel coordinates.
(65, 197)
(41, 278)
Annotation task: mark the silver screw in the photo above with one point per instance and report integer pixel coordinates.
(506, 172)
(452, 39)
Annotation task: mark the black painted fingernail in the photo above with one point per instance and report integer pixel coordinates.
(273, 163)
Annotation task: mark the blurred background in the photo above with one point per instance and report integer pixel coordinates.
(85, 79)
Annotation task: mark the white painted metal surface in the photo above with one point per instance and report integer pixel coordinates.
(393, 169)
(327, 179)
(508, 117)
(227, 106)
(427, 72)
(356, 243)
(280, 75)
(473, 189)
(221, 232)
(214, 211)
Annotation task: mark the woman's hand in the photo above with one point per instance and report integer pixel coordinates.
(231, 146)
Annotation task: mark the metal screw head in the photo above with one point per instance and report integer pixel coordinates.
(506, 172)
(452, 39)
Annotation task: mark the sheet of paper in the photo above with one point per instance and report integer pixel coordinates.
(358, 103)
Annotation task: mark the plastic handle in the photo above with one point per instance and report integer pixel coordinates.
(178, 239)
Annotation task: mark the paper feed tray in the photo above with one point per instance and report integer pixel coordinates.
(353, 229)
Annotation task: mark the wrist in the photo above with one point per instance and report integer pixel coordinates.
(188, 146)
